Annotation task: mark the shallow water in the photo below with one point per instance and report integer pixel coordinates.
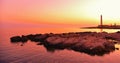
(32, 53)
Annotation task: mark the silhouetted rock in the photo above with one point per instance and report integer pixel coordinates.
(15, 39)
(117, 48)
(24, 38)
(109, 37)
(92, 43)
(34, 37)
(41, 38)
(86, 44)
(118, 32)
(30, 37)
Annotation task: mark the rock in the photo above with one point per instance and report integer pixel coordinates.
(116, 36)
(110, 37)
(117, 48)
(30, 37)
(41, 38)
(24, 38)
(93, 45)
(88, 42)
(55, 41)
(15, 39)
(19, 39)
(118, 32)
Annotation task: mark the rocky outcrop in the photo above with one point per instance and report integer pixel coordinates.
(92, 43)
(15, 39)
(87, 44)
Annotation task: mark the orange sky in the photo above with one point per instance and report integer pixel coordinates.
(59, 12)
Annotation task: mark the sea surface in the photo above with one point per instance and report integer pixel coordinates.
(30, 52)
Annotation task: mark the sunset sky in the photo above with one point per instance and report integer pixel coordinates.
(58, 12)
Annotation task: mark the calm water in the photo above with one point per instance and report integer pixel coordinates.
(32, 53)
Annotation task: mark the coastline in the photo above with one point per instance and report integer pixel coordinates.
(100, 27)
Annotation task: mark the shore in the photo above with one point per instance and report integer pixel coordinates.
(92, 43)
(102, 27)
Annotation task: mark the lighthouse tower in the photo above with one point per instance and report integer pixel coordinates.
(101, 21)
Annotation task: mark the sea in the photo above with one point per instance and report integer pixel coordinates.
(30, 52)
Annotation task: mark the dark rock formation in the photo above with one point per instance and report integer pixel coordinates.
(87, 44)
(24, 38)
(15, 39)
(92, 43)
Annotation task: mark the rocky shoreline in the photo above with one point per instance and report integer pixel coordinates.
(92, 43)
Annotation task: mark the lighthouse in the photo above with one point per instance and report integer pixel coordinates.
(101, 19)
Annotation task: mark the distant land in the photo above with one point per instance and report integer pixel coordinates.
(102, 26)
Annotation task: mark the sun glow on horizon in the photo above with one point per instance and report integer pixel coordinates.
(79, 12)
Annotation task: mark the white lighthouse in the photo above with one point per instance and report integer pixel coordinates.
(101, 21)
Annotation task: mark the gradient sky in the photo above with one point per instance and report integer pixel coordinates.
(58, 12)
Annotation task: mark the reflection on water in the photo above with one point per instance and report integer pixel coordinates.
(29, 52)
